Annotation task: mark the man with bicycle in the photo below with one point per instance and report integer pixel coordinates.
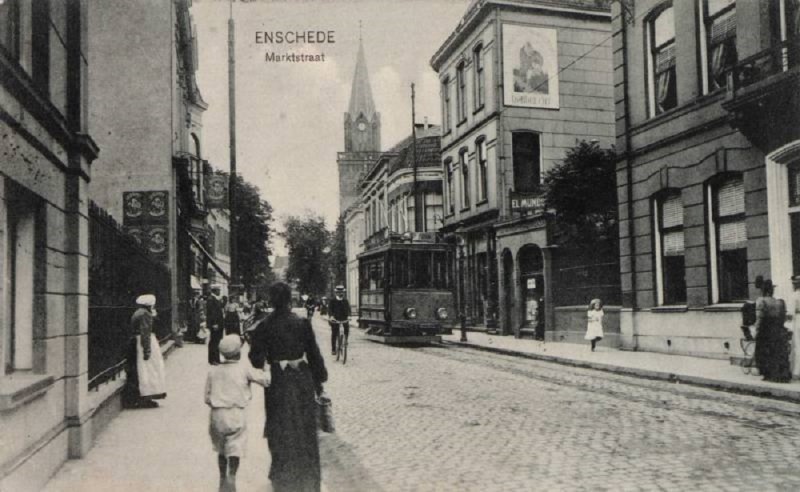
(339, 314)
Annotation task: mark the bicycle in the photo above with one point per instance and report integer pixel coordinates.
(748, 364)
(341, 342)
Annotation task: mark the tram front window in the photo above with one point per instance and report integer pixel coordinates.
(420, 270)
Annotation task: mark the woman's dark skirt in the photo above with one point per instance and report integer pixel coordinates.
(291, 430)
(772, 352)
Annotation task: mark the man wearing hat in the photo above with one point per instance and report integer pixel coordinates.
(228, 393)
(339, 310)
(215, 322)
(145, 365)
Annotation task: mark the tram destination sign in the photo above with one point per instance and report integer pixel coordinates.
(527, 202)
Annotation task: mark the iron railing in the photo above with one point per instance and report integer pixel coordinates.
(777, 59)
(119, 271)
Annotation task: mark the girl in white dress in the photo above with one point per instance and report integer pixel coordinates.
(594, 329)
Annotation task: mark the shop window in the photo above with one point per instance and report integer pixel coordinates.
(526, 156)
(480, 158)
(718, 41)
(660, 39)
(728, 238)
(670, 252)
(480, 76)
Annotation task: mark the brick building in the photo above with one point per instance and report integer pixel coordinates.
(707, 111)
(521, 83)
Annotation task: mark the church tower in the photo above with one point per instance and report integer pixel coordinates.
(362, 134)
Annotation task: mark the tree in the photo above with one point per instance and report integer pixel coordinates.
(582, 192)
(306, 240)
(338, 254)
(253, 235)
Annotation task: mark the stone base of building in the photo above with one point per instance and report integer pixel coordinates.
(711, 332)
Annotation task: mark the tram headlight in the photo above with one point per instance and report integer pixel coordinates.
(442, 314)
(410, 313)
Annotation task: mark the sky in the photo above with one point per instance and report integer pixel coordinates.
(289, 116)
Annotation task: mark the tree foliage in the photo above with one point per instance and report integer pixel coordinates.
(338, 254)
(253, 235)
(306, 240)
(582, 190)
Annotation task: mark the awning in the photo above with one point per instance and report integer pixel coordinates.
(208, 256)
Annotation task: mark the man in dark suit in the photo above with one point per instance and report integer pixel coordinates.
(215, 322)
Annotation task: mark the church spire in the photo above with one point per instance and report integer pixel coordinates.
(361, 93)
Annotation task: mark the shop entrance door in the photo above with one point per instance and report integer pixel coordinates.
(531, 266)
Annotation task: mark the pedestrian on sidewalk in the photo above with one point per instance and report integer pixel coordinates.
(772, 339)
(232, 320)
(286, 342)
(594, 328)
(215, 322)
(228, 393)
(145, 380)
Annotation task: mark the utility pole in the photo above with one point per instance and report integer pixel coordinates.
(234, 282)
(419, 211)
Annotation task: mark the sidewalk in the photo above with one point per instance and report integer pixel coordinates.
(712, 373)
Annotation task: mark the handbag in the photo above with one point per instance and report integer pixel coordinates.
(325, 413)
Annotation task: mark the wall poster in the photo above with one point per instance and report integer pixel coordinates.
(530, 66)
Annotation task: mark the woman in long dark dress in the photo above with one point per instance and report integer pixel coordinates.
(772, 347)
(287, 344)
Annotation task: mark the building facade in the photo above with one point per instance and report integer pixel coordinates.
(521, 83)
(151, 174)
(707, 111)
(46, 411)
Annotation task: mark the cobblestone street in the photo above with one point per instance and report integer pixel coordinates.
(442, 418)
(449, 418)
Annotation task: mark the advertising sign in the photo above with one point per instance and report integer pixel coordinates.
(530, 67)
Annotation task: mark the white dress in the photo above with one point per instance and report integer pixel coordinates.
(152, 383)
(595, 327)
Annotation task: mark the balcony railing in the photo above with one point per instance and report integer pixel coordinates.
(778, 59)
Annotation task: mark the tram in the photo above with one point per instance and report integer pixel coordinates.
(406, 289)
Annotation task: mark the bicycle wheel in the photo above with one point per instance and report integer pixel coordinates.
(748, 362)
(344, 349)
(339, 347)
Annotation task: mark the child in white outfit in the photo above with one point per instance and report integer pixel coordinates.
(594, 329)
(228, 393)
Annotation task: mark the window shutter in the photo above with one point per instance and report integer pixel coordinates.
(732, 235)
(665, 58)
(673, 243)
(723, 28)
(730, 198)
(672, 214)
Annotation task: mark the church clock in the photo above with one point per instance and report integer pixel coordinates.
(362, 126)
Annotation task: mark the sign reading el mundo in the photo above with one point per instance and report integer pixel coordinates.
(530, 67)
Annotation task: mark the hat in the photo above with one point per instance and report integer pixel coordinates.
(796, 279)
(216, 287)
(339, 288)
(148, 300)
(230, 345)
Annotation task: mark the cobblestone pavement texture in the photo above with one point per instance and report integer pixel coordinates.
(449, 418)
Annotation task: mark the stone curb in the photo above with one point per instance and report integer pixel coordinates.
(728, 386)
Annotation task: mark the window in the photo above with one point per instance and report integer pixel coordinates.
(526, 156)
(40, 12)
(480, 158)
(451, 200)
(446, 109)
(717, 41)
(433, 211)
(462, 157)
(223, 241)
(23, 258)
(662, 87)
(461, 93)
(669, 249)
(480, 76)
(10, 27)
(728, 240)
